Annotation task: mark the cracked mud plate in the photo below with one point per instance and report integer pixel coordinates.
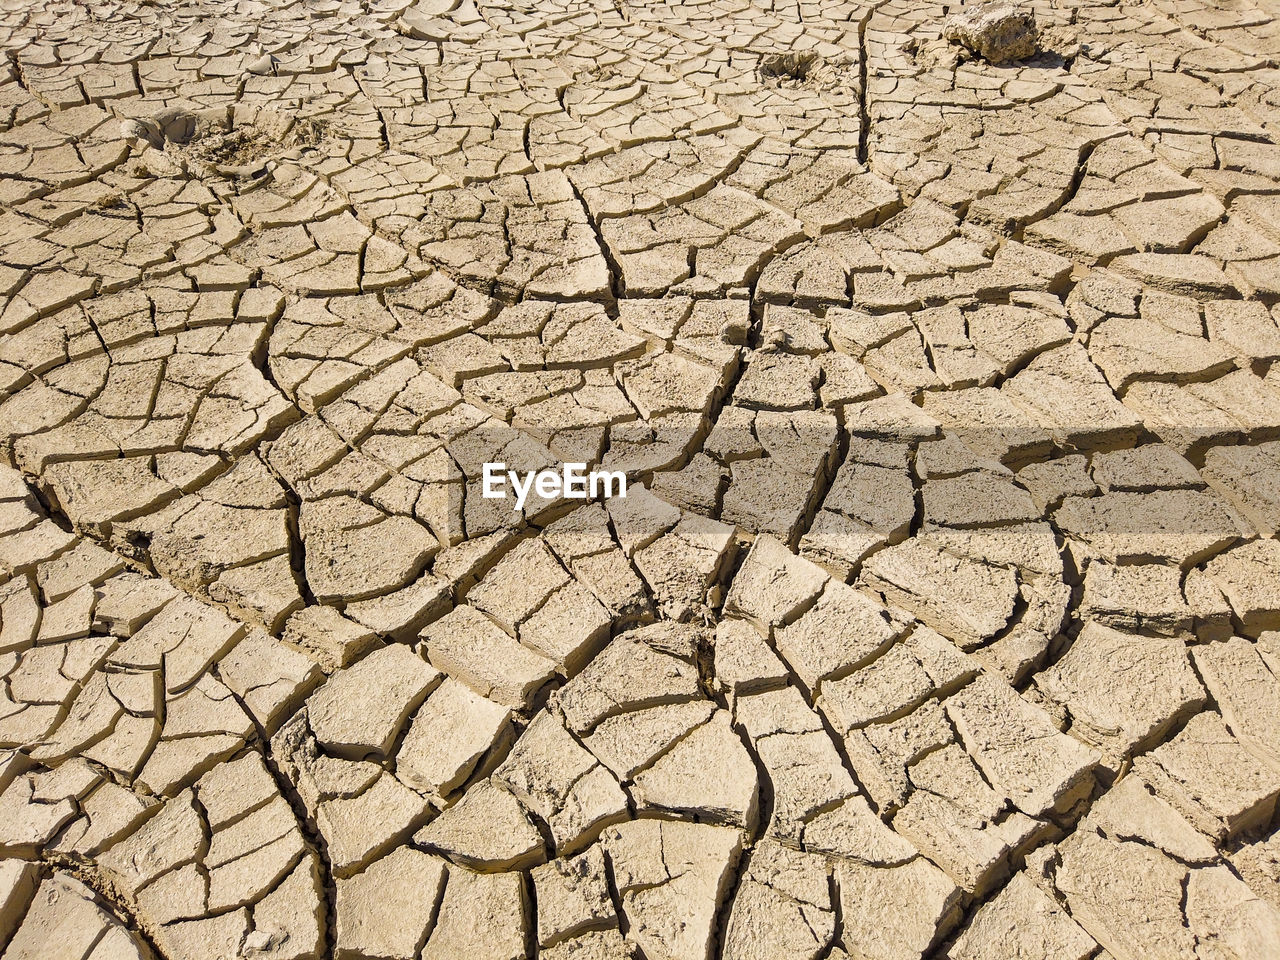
(940, 619)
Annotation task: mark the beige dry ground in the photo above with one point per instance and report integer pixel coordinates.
(941, 618)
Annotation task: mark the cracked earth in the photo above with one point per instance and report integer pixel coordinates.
(942, 618)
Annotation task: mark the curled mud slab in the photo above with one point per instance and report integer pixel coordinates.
(940, 619)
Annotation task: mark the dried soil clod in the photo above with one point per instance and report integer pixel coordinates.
(999, 33)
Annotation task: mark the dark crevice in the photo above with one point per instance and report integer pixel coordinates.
(864, 96)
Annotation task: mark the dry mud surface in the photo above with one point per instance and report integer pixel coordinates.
(941, 617)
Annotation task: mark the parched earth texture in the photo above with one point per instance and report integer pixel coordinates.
(940, 619)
